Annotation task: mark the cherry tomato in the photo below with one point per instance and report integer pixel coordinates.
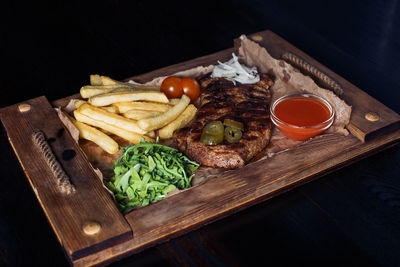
(172, 87)
(191, 88)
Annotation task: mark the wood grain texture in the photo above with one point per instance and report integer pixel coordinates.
(236, 190)
(67, 214)
(254, 183)
(361, 102)
(244, 187)
(223, 55)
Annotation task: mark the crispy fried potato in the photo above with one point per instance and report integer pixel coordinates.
(111, 118)
(151, 134)
(95, 79)
(88, 91)
(110, 98)
(140, 114)
(162, 120)
(183, 119)
(122, 89)
(92, 134)
(111, 109)
(174, 101)
(79, 103)
(136, 86)
(127, 135)
(108, 81)
(123, 107)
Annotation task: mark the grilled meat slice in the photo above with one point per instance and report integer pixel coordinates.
(220, 99)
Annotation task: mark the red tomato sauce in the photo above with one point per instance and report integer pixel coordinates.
(302, 111)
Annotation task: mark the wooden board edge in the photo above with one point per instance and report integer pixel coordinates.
(315, 172)
(169, 70)
(360, 125)
(241, 207)
(38, 186)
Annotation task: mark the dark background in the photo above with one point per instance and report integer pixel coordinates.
(350, 217)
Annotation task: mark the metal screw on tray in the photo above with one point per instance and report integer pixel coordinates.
(372, 116)
(24, 107)
(91, 228)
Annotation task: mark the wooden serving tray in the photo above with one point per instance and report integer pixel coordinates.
(87, 223)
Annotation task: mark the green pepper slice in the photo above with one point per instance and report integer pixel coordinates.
(214, 128)
(210, 140)
(232, 134)
(234, 124)
(213, 133)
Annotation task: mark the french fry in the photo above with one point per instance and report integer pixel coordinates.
(162, 120)
(138, 86)
(88, 91)
(127, 135)
(110, 98)
(183, 119)
(95, 79)
(174, 101)
(111, 118)
(123, 107)
(151, 134)
(140, 114)
(92, 134)
(122, 89)
(79, 103)
(108, 81)
(111, 109)
(135, 86)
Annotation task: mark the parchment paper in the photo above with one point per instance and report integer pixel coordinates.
(287, 80)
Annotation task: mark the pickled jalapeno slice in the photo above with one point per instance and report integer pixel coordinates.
(232, 134)
(214, 128)
(210, 140)
(234, 124)
(213, 133)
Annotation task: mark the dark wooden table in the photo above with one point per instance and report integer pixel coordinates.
(349, 217)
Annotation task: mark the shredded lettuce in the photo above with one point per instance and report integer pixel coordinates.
(147, 172)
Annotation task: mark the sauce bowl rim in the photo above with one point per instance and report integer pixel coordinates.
(276, 120)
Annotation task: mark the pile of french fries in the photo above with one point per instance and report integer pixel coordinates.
(130, 111)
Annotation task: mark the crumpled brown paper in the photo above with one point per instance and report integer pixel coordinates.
(290, 80)
(287, 80)
(69, 108)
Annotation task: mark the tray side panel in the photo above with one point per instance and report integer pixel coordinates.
(252, 184)
(200, 61)
(73, 214)
(235, 191)
(369, 117)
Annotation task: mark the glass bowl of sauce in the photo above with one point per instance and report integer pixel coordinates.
(302, 116)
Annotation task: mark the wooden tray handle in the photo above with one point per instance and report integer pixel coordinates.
(369, 118)
(63, 181)
(82, 214)
(310, 69)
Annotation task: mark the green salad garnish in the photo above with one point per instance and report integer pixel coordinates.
(147, 172)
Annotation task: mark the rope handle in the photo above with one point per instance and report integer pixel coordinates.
(63, 181)
(302, 64)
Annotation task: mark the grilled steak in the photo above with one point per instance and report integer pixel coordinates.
(220, 99)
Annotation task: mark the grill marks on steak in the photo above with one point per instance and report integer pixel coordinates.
(220, 99)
